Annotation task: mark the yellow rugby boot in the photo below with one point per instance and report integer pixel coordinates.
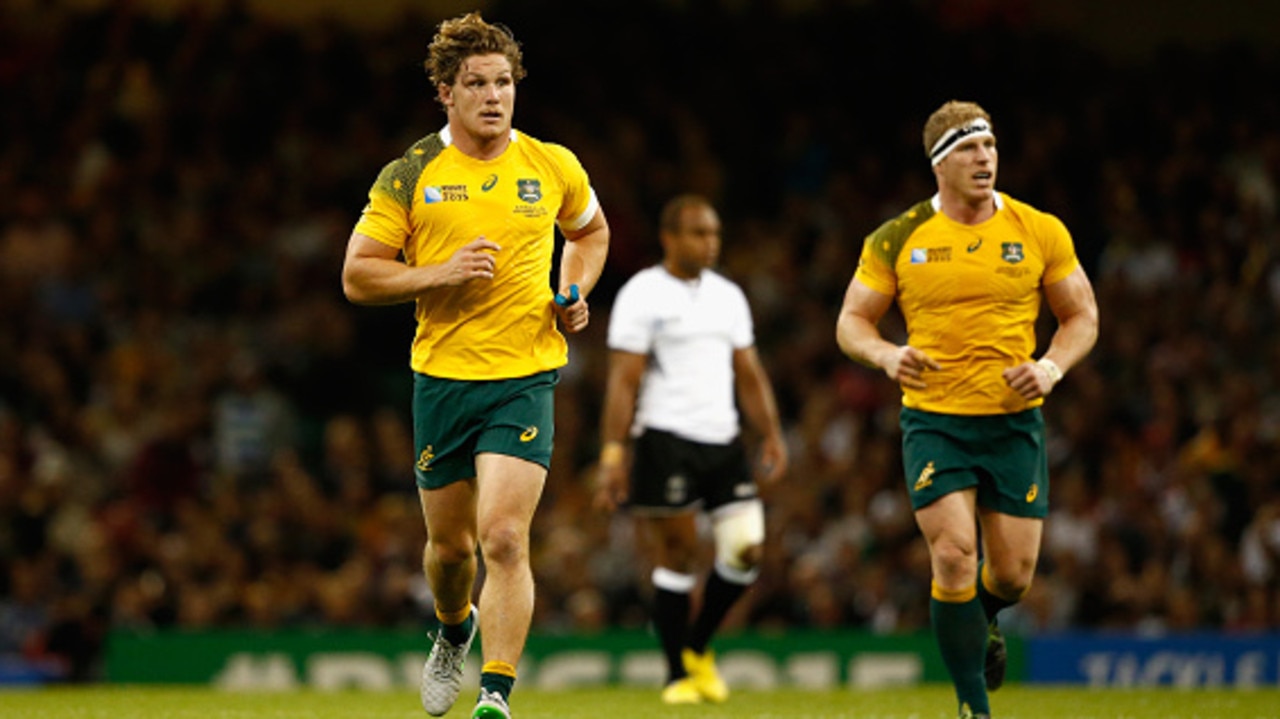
(702, 670)
(681, 691)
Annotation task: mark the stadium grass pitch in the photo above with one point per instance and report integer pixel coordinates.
(924, 702)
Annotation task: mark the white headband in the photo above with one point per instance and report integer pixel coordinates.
(976, 127)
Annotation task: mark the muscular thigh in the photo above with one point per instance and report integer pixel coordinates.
(508, 490)
(1011, 545)
(450, 514)
(949, 528)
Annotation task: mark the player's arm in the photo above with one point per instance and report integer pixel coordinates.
(858, 334)
(581, 263)
(1072, 302)
(584, 254)
(755, 393)
(626, 370)
(373, 274)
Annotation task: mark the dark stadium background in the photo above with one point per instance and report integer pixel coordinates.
(198, 432)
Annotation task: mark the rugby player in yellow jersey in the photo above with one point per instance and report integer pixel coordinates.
(464, 225)
(968, 269)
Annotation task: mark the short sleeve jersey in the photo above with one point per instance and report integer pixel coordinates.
(970, 295)
(689, 329)
(436, 199)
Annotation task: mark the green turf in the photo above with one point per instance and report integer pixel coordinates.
(929, 702)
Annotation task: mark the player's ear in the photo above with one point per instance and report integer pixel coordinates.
(445, 94)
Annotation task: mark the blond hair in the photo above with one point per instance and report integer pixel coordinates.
(952, 114)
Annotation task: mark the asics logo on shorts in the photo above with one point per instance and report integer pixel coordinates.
(529, 434)
(926, 477)
(1033, 493)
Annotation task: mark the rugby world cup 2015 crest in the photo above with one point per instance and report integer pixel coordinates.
(1012, 252)
(529, 190)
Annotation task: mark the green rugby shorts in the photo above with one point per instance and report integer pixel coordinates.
(454, 420)
(1002, 455)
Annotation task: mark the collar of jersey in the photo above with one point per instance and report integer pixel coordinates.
(447, 137)
(692, 284)
(937, 201)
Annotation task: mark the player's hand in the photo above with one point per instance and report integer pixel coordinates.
(773, 460)
(572, 309)
(1029, 380)
(472, 261)
(907, 366)
(611, 486)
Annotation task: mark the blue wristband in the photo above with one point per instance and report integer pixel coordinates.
(566, 301)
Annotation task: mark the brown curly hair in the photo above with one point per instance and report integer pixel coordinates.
(951, 114)
(463, 37)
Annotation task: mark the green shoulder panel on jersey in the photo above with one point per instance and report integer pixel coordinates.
(399, 177)
(888, 239)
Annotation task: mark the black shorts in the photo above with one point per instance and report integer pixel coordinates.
(671, 474)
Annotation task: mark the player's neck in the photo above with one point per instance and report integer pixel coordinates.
(480, 148)
(967, 210)
(677, 272)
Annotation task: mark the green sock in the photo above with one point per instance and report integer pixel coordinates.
(961, 630)
(991, 604)
(458, 634)
(500, 683)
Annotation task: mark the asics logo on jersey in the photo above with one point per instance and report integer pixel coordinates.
(424, 459)
(926, 477)
(529, 434)
(974, 247)
(489, 182)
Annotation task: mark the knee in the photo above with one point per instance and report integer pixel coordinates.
(740, 541)
(676, 554)
(954, 562)
(741, 567)
(671, 543)
(504, 544)
(750, 556)
(451, 551)
(1009, 579)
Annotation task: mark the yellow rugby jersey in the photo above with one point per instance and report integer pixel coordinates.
(970, 295)
(436, 199)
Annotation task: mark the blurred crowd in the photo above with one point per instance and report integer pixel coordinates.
(197, 430)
